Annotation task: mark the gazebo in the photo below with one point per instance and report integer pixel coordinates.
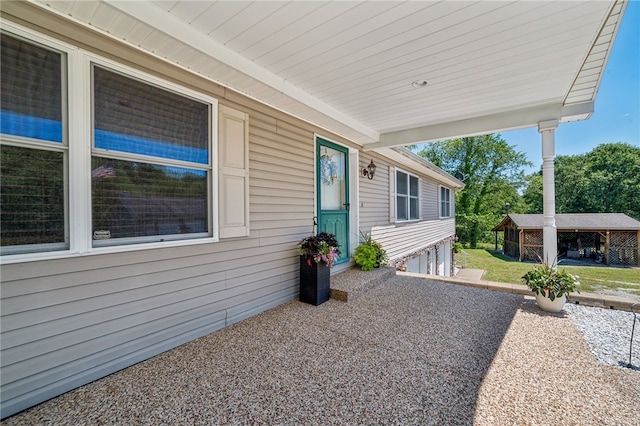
(615, 236)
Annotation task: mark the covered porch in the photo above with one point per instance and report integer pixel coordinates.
(373, 76)
(381, 74)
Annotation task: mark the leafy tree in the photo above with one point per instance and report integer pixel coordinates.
(613, 176)
(605, 180)
(494, 174)
(532, 194)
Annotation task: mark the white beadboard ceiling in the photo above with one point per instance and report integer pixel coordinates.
(348, 66)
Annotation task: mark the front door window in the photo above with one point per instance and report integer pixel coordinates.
(333, 193)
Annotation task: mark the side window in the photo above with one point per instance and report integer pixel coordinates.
(445, 202)
(150, 165)
(407, 196)
(33, 147)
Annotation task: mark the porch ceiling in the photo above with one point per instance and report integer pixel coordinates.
(348, 66)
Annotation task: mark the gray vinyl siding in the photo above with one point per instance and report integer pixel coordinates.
(374, 193)
(402, 237)
(69, 321)
(66, 322)
(406, 238)
(429, 199)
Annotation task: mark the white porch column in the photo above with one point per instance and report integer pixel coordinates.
(549, 231)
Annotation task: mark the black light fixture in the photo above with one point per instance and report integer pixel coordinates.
(369, 171)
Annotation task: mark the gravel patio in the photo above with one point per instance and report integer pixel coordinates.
(408, 352)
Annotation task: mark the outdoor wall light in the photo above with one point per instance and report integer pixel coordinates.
(369, 171)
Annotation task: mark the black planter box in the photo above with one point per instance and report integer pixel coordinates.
(314, 282)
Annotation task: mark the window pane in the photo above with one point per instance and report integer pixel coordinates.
(401, 183)
(444, 210)
(413, 185)
(445, 203)
(32, 196)
(413, 208)
(402, 207)
(31, 91)
(133, 199)
(136, 117)
(333, 190)
(444, 194)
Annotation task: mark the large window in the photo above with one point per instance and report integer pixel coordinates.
(445, 202)
(150, 165)
(97, 154)
(33, 148)
(407, 196)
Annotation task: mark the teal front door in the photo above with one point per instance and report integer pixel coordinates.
(333, 193)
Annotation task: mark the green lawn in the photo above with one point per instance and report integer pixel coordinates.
(592, 279)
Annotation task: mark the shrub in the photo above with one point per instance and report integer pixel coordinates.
(370, 254)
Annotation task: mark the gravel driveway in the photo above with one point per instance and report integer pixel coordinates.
(409, 352)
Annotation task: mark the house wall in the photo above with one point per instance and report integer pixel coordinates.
(402, 240)
(67, 322)
(71, 320)
(374, 193)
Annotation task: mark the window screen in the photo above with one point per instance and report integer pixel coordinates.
(32, 217)
(140, 198)
(32, 196)
(139, 118)
(31, 90)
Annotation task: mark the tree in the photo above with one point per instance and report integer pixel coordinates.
(532, 194)
(605, 180)
(613, 176)
(494, 174)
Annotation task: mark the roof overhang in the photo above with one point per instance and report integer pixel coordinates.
(348, 67)
(409, 159)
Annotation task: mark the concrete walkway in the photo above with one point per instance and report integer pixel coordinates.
(407, 352)
(470, 274)
(472, 278)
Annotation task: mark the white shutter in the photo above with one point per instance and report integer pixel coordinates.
(392, 194)
(233, 177)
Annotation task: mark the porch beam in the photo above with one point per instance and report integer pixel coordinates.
(509, 120)
(549, 231)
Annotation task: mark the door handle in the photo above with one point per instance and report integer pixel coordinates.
(347, 206)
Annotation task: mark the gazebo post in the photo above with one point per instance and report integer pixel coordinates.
(549, 232)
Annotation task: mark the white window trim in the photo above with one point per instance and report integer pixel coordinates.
(419, 197)
(440, 202)
(88, 59)
(78, 140)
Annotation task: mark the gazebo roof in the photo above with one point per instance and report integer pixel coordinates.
(574, 221)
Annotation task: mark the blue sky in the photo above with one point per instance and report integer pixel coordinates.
(617, 108)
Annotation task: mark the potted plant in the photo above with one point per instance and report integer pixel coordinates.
(317, 255)
(551, 286)
(369, 254)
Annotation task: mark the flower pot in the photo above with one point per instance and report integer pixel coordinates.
(314, 281)
(549, 305)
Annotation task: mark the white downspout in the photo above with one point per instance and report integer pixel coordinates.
(549, 231)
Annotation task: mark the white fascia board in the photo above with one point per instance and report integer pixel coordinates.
(164, 22)
(411, 160)
(510, 120)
